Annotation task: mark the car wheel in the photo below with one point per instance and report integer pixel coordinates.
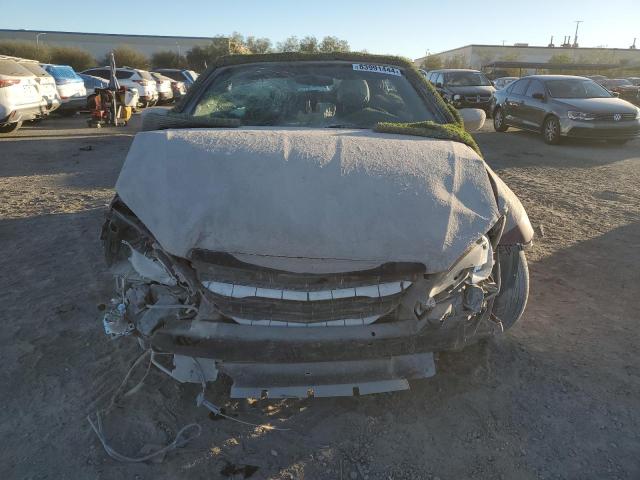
(551, 131)
(618, 141)
(499, 124)
(10, 128)
(514, 286)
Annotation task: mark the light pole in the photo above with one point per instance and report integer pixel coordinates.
(38, 40)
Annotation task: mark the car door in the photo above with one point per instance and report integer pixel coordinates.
(533, 108)
(514, 101)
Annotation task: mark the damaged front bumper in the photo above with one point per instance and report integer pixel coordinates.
(279, 334)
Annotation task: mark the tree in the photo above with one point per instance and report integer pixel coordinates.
(290, 44)
(308, 44)
(333, 44)
(168, 59)
(77, 58)
(128, 57)
(199, 58)
(431, 62)
(237, 45)
(560, 59)
(258, 45)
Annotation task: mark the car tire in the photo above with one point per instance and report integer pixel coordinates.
(551, 131)
(10, 128)
(499, 125)
(510, 303)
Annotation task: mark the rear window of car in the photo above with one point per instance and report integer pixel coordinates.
(62, 72)
(122, 74)
(173, 75)
(36, 69)
(9, 67)
(145, 75)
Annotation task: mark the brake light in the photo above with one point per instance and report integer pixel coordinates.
(8, 83)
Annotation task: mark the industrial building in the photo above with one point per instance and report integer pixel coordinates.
(98, 44)
(478, 56)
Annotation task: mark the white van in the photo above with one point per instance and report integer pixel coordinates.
(20, 98)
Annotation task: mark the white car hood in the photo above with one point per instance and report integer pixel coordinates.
(312, 199)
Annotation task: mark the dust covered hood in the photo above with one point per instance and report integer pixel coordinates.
(343, 197)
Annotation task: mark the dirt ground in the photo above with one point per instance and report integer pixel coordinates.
(558, 397)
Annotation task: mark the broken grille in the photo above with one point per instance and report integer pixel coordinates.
(255, 295)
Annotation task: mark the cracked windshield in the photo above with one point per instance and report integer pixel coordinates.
(317, 95)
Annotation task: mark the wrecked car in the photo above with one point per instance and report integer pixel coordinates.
(311, 225)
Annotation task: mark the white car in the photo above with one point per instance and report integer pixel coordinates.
(46, 85)
(73, 94)
(134, 78)
(20, 99)
(163, 84)
(503, 82)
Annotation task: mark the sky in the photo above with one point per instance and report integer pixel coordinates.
(402, 27)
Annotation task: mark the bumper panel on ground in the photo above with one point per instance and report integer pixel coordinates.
(327, 379)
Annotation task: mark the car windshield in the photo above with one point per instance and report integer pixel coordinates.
(465, 79)
(313, 94)
(576, 88)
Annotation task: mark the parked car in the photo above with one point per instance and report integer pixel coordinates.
(186, 76)
(140, 80)
(634, 81)
(46, 85)
(91, 83)
(565, 106)
(503, 82)
(179, 89)
(20, 98)
(596, 78)
(624, 88)
(73, 95)
(464, 88)
(163, 85)
(385, 247)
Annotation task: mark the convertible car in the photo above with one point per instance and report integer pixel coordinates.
(311, 225)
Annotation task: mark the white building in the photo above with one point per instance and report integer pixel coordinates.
(476, 56)
(98, 44)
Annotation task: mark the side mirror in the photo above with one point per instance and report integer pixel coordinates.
(615, 94)
(538, 96)
(473, 118)
(439, 85)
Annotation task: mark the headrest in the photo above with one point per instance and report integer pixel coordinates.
(353, 94)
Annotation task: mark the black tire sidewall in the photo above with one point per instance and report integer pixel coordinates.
(499, 114)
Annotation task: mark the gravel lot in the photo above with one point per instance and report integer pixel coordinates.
(558, 397)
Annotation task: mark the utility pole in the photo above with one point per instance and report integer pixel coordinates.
(575, 38)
